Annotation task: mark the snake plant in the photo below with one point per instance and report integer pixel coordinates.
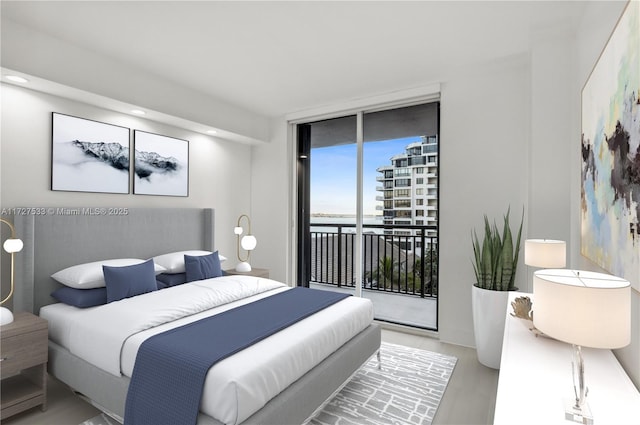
(496, 259)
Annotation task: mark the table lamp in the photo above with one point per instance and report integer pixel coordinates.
(585, 309)
(545, 253)
(11, 245)
(248, 243)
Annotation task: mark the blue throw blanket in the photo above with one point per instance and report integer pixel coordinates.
(171, 367)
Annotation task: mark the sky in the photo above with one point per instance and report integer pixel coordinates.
(333, 175)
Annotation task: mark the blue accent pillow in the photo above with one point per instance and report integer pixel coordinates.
(129, 281)
(81, 298)
(202, 266)
(172, 279)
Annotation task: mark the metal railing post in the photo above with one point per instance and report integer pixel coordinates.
(422, 275)
(339, 256)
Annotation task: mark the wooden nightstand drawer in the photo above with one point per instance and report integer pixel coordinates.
(23, 351)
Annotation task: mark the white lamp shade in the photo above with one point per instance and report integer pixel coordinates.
(6, 316)
(243, 267)
(582, 308)
(248, 242)
(13, 245)
(237, 230)
(547, 253)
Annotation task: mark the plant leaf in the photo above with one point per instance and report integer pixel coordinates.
(495, 260)
(507, 254)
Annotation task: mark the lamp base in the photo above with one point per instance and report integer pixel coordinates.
(243, 267)
(580, 415)
(6, 316)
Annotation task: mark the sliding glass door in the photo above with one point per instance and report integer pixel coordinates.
(368, 209)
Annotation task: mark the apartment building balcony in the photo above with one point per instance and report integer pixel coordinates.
(399, 271)
(399, 156)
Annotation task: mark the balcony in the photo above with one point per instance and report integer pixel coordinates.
(400, 272)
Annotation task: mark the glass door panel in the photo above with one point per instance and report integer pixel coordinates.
(332, 204)
(400, 246)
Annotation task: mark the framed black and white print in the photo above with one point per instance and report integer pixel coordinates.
(89, 156)
(161, 165)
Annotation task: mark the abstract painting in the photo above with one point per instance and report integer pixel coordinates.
(161, 165)
(610, 196)
(89, 156)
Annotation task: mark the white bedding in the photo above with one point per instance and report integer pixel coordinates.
(109, 337)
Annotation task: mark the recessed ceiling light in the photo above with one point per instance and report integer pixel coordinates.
(17, 79)
(212, 131)
(138, 112)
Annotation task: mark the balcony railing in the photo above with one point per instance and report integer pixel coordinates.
(398, 259)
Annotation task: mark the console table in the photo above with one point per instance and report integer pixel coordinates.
(535, 380)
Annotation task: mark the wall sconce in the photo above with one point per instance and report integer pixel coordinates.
(11, 245)
(248, 243)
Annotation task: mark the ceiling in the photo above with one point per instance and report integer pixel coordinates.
(274, 58)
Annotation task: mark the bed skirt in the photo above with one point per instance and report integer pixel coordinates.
(291, 407)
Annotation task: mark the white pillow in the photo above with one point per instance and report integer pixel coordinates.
(89, 275)
(174, 261)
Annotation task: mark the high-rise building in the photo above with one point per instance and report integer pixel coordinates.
(410, 189)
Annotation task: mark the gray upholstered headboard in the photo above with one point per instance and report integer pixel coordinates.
(63, 237)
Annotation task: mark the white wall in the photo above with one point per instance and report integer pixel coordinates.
(270, 208)
(483, 170)
(554, 138)
(219, 170)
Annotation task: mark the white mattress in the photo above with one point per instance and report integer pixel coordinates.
(240, 385)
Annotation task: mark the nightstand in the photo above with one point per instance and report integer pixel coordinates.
(23, 365)
(254, 272)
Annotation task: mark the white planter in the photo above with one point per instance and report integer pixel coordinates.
(489, 310)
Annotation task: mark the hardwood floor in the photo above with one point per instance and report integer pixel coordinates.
(469, 399)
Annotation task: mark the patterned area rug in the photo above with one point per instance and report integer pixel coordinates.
(407, 390)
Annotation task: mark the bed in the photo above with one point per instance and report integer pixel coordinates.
(65, 237)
